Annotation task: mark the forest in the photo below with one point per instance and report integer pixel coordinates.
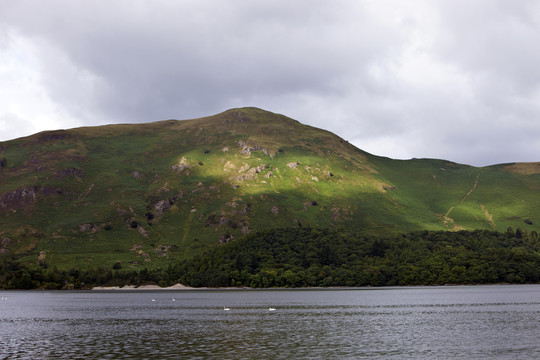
(314, 257)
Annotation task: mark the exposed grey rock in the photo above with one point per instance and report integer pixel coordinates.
(142, 231)
(22, 197)
(225, 238)
(86, 227)
(248, 149)
(293, 165)
(161, 206)
(137, 175)
(182, 166)
(259, 168)
(162, 250)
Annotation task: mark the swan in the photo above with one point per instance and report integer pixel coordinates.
(226, 308)
(271, 309)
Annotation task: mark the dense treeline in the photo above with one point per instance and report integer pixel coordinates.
(14, 275)
(322, 257)
(315, 257)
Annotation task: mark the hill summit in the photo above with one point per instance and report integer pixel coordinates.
(145, 194)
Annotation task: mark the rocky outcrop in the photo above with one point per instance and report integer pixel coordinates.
(142, 231)
(258, 169)
(78, 173)
(182, 166)
(293, 165)
(4, 243)
(214, 220)
(137, 175)
(162, 250)
(22, 197)
(137, 249)
(161, 206)
(87, 227)
(248, 149)
(249, 173)
(225, 238)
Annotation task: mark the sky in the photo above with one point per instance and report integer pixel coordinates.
(450, 79)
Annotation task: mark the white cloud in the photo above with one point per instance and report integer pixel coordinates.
(447, 79)
(25, 107)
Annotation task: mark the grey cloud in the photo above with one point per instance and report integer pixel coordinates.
(441, 79)
(187, 55)
(10, 122)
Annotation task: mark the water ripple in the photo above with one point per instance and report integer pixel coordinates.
(480, 323)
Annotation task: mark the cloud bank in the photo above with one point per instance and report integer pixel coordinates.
(456, 80)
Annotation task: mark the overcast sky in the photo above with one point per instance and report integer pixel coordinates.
(455, 80)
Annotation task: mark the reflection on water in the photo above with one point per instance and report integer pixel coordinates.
(483, 322)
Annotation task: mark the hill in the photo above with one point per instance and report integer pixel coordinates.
(141, 195)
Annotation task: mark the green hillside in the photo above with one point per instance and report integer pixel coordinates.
(145, 194)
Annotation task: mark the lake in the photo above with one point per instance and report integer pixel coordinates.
(461, 322)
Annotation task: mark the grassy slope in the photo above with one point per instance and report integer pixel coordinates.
(238, 171)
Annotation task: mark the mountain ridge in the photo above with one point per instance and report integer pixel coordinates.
(147, 194)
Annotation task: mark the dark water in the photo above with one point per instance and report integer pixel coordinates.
(480, 322)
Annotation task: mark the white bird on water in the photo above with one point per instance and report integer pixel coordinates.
(271, 309)
(226, 308)
(153, 299)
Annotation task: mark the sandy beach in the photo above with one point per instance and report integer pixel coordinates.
(143, 287)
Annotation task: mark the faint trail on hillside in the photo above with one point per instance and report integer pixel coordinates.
(470, 191)
(489, 217)
(447, 219)
(476, 181)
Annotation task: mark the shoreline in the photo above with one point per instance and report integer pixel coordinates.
(185, 287)
(144, 287)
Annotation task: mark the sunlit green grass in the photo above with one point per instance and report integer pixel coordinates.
(127, 169)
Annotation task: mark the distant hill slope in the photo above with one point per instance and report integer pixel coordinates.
(146, 194)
